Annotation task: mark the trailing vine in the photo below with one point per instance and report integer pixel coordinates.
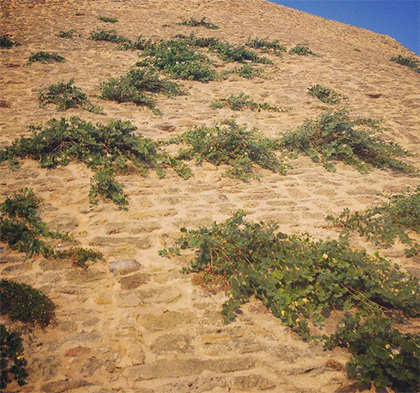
(108, 149)
(303, 281)
(233, 145)
(336, 136)
(22, 228)
(66, 96)
(385, 222)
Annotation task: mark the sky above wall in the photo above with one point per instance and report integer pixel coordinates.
(400, 19)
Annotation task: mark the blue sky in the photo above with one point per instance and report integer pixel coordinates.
(399, 19)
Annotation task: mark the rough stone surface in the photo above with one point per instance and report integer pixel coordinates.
(148, 328)
(134, 281)
(124, 266)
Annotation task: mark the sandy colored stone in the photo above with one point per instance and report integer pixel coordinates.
(124, 266)
(166, 320)
(184, 367)
(130, 325)
(134, 281)
(64, 385)
(181, 343)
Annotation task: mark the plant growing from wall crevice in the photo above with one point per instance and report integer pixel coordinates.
(325, 94)
(193, 22)
(334, 135)
(243, 101)
(387, 221)
(7, 42)
(22, 228)
(409, 62)
(231, 144)
(46, 57)
(66, 95)
(139, 86)
(107, 149)
(303, 281)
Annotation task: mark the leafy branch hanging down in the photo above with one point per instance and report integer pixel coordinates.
(20, 302)
(303, 281)
(325, 94)
(233, 145)
(386, 222)
(107, 149)
(139, 86)
(66, 96)
(12, 359)
(336, 136)
(22, 228)
(243, 101)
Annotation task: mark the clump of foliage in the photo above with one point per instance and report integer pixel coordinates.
(46, 57)
(233, 145)
(138, 86)
(325, 94)
(108, 35)
(237, 53)
(386, 222)
(192, 22)
(409, 62)
(66, 96)
(200, 42)
(179, 59)
(21, 302)
(243, 101)
(380, 353)
(105, 185)
(66, 34)
(111, 147)
(302, 51)
(79, 256)
(336, 136)
(247, 71)
(303, 280)
(140, 44)
(22, 229)
(12, 359)
(21, 226)
(6, 42)
(266, 46)
(108, 19)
